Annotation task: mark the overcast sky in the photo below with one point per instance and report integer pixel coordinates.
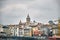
(12, 11)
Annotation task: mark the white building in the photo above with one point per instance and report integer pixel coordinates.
(45, 29)
(1, 28)
(13, 30)
(20, 31)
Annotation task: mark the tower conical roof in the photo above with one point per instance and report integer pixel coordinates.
(20, 22)
(28, 16)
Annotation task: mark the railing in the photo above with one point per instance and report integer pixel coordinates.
(23, 38)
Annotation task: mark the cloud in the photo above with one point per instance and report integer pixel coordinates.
(58, 2)
(13, 6)
(40, 10)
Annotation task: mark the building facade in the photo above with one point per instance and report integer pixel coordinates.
(27, 28)
(1, 28)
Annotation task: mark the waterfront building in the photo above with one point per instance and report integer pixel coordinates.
(45, 29)
(20, 31)
(35, 31)
(58, 27)
(28, 31)
(6, 30)
(13, 30)
(54, 27)
(1, 28)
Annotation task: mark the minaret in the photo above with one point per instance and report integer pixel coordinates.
(28, 19)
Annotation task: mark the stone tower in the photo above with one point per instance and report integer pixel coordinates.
(28, 19)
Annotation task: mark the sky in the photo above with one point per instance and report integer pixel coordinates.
(12, 11)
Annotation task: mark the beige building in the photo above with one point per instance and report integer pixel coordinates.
(28, 31)
(58, 27)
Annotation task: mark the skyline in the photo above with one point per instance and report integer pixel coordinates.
(12, 11)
